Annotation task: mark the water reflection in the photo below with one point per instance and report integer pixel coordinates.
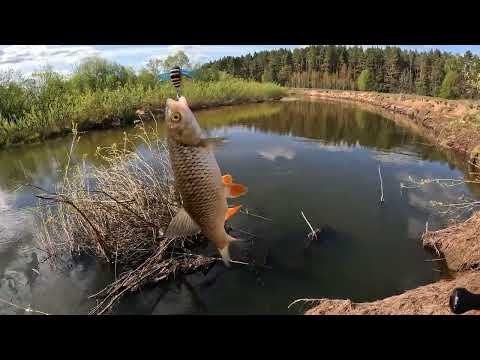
(315, 157)
(277, 152)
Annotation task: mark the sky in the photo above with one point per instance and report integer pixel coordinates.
(63, 58)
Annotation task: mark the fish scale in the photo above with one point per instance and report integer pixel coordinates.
(192, 166)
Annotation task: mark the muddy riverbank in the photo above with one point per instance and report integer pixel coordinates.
(430, 299)
(453, 125)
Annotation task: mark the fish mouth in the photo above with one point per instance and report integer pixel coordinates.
(176, 105)
(169, 105)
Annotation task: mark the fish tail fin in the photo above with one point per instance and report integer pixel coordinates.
(225, 251)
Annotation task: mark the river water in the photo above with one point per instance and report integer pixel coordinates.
(314, 157)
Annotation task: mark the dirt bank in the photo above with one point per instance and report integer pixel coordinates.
(430, 299)
(458, 243)
(452, 124)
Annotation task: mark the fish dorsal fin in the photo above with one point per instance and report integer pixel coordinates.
(232, 211)
(227, 179)
(212, 142)
(182, 225)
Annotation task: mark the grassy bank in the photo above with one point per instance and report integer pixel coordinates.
(48, 104)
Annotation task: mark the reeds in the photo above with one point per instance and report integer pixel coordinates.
(118, 212)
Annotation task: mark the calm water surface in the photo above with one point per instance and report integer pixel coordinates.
(316, 157)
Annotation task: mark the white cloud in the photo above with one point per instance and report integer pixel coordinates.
(28, 58)
(114, 52)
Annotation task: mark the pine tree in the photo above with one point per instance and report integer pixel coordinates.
(423, 80)
(437, 74)
(339, 67)
(392, 71)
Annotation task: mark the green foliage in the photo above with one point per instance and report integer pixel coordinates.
(365, 81)
(99, 74)
(177, 59)
(339, 67)
(99, 91)
(154, 66)
(449, 88)
(471, 74)
(15, 96)
(208, 74)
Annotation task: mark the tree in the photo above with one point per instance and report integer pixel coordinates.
(392, 71)
(365, 82)
(154, 66)
(423, 80)
(283, 75)
(471, 74)
(95, 73)
(449, 88)
(178, 59)
(437, 73)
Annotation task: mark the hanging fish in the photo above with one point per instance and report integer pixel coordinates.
(175, 77)
(198, 179)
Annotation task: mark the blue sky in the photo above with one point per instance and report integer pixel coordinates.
(28, 58)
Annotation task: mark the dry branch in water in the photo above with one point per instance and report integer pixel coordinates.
(27, 309)
(118, 212)
(381, 184)
(312, 235)
(458, 209)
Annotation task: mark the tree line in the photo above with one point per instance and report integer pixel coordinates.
(390, 69)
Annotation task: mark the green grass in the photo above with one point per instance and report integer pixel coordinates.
(30, 113)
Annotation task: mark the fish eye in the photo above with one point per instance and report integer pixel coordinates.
(176, 117)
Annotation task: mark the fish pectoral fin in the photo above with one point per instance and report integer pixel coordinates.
(182, 225)
(232, 211)
(235, 190)
(227, 179)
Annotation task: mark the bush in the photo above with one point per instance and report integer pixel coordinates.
(450, 86)
(48, 102)
(365, 81)
(99, 74)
